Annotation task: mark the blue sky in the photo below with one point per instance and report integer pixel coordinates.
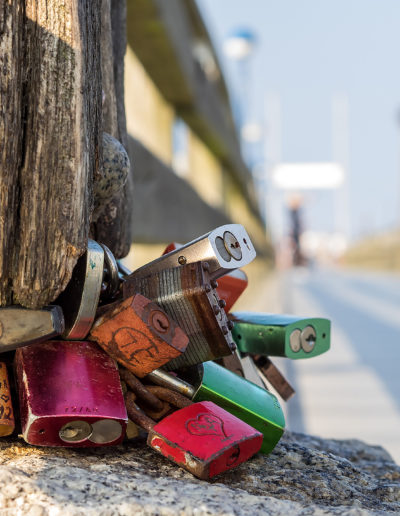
(308, 51)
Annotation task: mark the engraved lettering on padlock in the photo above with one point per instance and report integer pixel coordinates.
(207, 424)
(125, 346)
(7, 423)
(81, 410)
(139, 334)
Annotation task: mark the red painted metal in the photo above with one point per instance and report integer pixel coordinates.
(205, 439)
(63, 382)
(231, 286)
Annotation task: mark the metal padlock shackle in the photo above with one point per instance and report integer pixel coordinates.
(95, 277)
(143, 420)
(139, 389)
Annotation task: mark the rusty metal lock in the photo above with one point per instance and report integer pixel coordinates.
(7, 423)
(230, 286)
(188, 295)
(225, 248)
(139, 335)
(269, 373)
(70, 395)
(201, 437)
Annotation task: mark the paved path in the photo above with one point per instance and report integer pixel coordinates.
(353, 391)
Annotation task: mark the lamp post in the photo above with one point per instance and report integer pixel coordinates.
(238, 47)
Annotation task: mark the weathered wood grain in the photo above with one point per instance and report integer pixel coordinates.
(10, 136)
(61, 121)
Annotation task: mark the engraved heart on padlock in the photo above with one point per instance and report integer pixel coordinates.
(206, 424)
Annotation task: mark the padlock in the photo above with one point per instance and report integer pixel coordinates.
(201, 437)
(269, 373)
(80, 299)
(188, 296)
(22, 326)
(251, 372)
(230, 286)
(250, 403)
(280, 335)
(7, 423)
(139, 335)
(70, 395)
(232, 362)
(225, 248)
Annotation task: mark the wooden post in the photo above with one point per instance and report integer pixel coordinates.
(50, 139)
(50, 143)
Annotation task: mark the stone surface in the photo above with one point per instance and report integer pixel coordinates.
(114, 174)
(303, 476)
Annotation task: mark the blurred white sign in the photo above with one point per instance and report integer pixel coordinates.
(308, 176)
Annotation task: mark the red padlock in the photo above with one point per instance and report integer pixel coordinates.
(70, 395)
(230, 286)
(201, 437)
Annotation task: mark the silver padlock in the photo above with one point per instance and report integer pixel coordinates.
(94, 278)
(225, 248)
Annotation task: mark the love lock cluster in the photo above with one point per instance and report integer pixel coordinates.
(156, 350)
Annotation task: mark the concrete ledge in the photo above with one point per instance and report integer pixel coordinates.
(303, 476)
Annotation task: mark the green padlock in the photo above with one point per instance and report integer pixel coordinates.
(280, 335)
(245, 400)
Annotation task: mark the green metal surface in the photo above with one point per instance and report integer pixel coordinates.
(270, 334)
(245, 400)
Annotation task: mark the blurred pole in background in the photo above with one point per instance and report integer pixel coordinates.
(340, 154)
(274, 198)
(239, 47)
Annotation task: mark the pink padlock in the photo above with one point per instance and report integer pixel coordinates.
(70, 395)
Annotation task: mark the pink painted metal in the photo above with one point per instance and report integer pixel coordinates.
(70, 395)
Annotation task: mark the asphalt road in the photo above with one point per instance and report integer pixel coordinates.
(353, 390)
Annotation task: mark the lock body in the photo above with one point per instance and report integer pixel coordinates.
(245, 400)
(7, 423)
(188, 296)
(225, 248)
(280, 335)
(205, 439)
(70, 395)
(139, 335)
(230, 286)
(21, 326)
